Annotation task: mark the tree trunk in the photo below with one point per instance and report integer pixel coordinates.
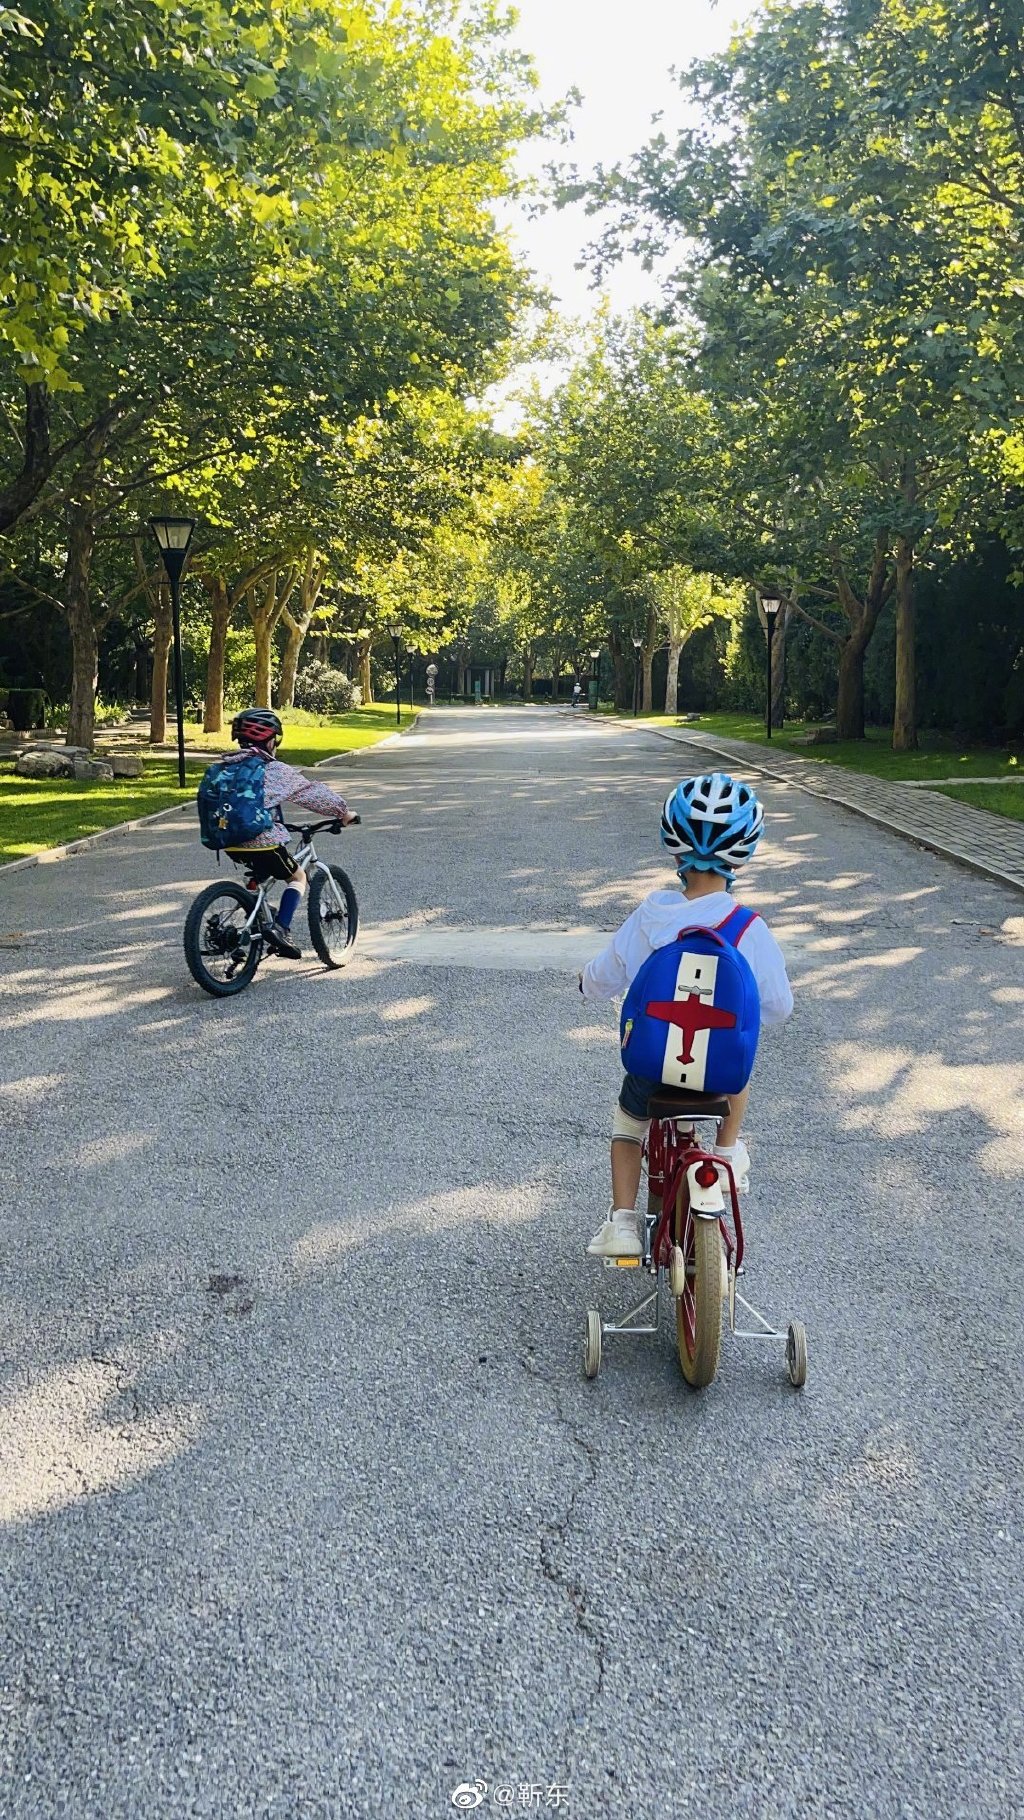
(365, 678)
(163, 630)
(675, 652)
(850, 699)
(290, 662)
(863, 618)
(264, 643)
(904, 726)
(298, 625)
(647, 658)
(38, 460)
(528, 673)
(84, 643)
(220, 615)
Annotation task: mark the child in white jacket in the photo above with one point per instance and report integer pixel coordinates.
(713, 824)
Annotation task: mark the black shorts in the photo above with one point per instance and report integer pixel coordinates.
(263, 863)
(635, 1094)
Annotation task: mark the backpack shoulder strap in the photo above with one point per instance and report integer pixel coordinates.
(734, 926)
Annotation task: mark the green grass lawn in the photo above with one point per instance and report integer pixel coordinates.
(1001, 799)
(36, 813)
(308, 738)
(940, 754)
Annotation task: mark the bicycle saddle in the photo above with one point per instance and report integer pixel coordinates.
(676, 1102)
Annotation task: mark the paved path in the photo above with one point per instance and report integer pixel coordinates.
(305, 1506)
(990, 844)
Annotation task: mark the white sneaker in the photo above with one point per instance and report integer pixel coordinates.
(739, 1156)
(618, 1237)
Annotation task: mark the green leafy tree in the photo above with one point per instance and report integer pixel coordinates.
(849, 294)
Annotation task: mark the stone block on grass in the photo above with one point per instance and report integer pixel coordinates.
(94, 770)
(45, 764)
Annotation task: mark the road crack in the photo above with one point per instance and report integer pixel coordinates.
(555, 1535)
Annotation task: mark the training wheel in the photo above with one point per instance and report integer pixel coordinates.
(592, 1349)
(677, 1272)
(796, 1354)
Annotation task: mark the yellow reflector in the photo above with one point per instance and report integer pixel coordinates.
(627, 1263)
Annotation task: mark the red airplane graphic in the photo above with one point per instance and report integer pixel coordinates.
(690, 1014)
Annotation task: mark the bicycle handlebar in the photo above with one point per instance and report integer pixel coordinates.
(334, 826)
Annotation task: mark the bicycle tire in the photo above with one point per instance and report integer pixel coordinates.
(322, 924)
(699, 1311)
(194, 921)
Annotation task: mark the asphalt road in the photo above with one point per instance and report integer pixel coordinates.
(305, 1505)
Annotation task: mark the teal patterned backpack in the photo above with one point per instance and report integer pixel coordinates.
(232, 812)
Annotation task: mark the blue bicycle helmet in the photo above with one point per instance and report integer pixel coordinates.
(713, 823)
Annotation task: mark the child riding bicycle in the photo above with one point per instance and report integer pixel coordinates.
(713, 824)
(265, 855)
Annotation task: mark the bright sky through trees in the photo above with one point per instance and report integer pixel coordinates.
(619, 54)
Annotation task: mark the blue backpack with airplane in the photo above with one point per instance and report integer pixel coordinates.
(692, 1015)
(232, 812)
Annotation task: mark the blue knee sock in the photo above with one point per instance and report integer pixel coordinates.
(290, 901)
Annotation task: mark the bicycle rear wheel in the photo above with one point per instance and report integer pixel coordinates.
(221, 955)
(333, 915)
(699, 1308)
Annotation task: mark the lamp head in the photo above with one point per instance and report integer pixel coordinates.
(174, 537)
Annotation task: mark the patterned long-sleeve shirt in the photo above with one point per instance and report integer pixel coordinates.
(284, 784)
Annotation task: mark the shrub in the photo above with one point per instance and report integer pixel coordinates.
(322, 690)
(27, 708)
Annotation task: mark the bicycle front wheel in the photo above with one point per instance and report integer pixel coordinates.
(699, 1308)
(333, 915)
(222, 956)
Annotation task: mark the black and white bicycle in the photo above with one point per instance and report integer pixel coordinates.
(228, 930)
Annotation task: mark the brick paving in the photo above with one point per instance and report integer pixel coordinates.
(990, 844)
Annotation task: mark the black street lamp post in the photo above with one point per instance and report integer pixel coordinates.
(174, 536)
(771, 607)
(396, 633)
(638, 645)
(595, 676)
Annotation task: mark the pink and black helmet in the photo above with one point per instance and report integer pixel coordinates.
(256, 727)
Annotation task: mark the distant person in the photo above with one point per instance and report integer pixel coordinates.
(713, 825)
(577, 693)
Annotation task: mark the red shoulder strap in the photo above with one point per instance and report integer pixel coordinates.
(734, 926)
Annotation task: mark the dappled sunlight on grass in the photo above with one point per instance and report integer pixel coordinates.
(939, 755)
(39, 813)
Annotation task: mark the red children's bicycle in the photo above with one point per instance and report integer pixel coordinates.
(693, 1233)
